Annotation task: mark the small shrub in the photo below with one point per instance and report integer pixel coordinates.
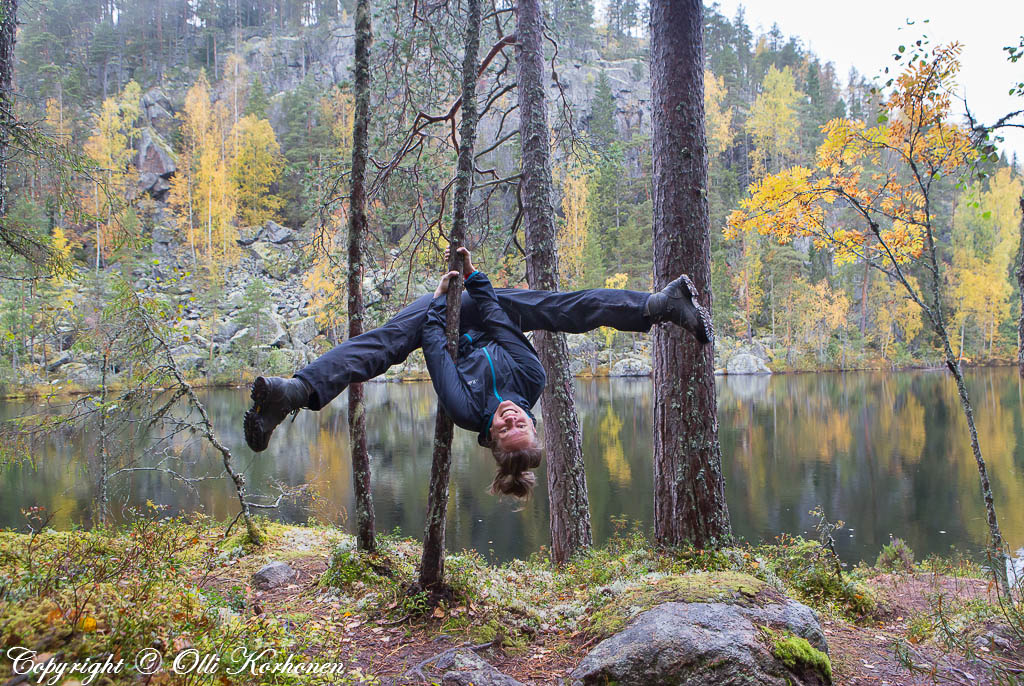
(896, 556)
(347, 567)
(811, 573)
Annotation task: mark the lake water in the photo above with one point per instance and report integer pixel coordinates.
(888, 453)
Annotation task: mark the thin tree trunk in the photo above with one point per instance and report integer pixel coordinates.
(864, 298)
(937, 318)
(356, 232)
(96, 186)
(104, 458)
(567, 481)
(191, 228)
(432, 561)
(689, 487)
(1020, 286)
(8, 34)
(960, 353)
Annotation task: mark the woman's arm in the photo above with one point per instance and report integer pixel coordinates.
(449, 385)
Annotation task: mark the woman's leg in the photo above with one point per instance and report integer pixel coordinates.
(368, 355)
(372, 353)
(575, 311)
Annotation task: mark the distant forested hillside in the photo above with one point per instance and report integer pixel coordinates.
(215, 135)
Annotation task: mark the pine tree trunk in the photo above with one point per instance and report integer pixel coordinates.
(432, 561)
(8, 31)
(356, 233)
(567, 481)
(689, 487)
(1020, 286)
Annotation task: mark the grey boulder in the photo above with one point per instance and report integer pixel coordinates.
(277, 234)
(61, 360)
(466, 668)
(273, 574)
(695, 644)
(631, 366)
(746, 363)
(304, 330)
(81, 374)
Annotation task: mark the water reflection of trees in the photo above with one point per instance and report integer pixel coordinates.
(885, 452)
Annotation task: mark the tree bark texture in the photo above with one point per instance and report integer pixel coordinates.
(567, 481)
(365, 537)
(8, 29)
(1020, 286)
(432, 561)
(689, 487)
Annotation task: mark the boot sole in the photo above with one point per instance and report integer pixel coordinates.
(703, 330)
(255, 437)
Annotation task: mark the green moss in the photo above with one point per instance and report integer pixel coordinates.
(689, 588)
(799, 655)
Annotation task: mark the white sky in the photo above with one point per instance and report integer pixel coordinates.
(865, 34)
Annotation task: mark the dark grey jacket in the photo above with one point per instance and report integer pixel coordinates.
(493, 365)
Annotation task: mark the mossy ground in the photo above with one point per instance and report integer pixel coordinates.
(634, 598)
(177, 584)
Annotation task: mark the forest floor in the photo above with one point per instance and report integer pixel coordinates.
(529, 619)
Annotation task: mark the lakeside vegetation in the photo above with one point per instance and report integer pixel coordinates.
(180, 584)
(179, 209)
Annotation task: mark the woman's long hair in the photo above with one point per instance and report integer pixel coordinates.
(513, 477)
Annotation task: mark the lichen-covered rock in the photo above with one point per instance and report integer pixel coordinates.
(273, 574)
(275, 261)
(276, 336)
(303, 330)
(81, 374)
(189, 358)
(158, 112)
(154, 156)
(277, 234)
(746, 363)
(726, 644)
(466, 668)
(631, 366)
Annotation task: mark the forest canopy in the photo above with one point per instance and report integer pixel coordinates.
(214, 136)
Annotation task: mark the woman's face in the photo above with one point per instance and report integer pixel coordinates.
(512, 429)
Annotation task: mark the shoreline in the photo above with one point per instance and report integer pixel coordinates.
(31, 392)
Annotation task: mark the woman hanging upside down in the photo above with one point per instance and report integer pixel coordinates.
(497, 378)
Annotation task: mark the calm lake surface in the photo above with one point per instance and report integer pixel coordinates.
(885, 452)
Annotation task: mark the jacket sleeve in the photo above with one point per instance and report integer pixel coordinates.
(504, 332)
(448, 383)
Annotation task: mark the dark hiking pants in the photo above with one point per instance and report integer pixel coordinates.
(372, 353)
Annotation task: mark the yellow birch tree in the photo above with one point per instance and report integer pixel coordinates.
(572, 235)
(255, 168)
(773, 121)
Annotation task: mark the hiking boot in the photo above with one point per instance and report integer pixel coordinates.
(677, 303)
(273, 398)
